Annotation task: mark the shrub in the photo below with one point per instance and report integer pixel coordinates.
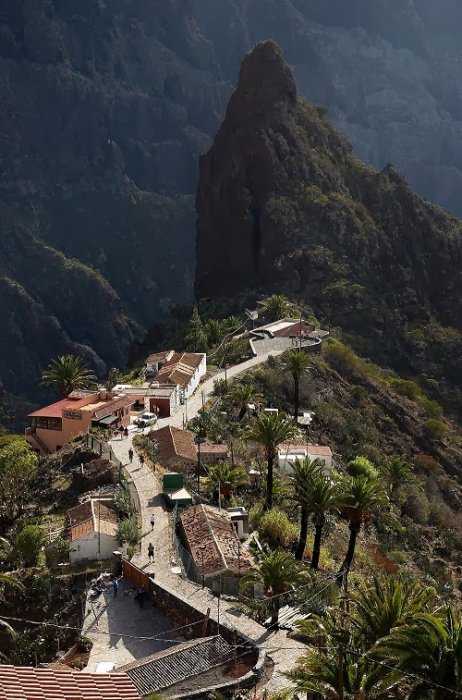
(433, 408)
(129, 531)
(131, 549)
(27, 545)
(434, 429)
(361, 466)
(406, 387)
(276, 529)
(358, 393)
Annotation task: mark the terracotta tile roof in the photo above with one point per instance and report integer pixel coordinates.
(204, 525)
(180, 368)
(55, 410)
(113, 405)
(294, 329)
(319, 450)
(173, 442)
(171, 666)
(214, 449)
(91, 517)
(160, 356)
(24, 683)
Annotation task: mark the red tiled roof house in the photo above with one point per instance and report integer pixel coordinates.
(53, 426)
(93, 531)
(216, 553)
(25, 683)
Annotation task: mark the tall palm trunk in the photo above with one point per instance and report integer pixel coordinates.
(269, 482)
(242, 412)
(296, 395)
(319, 522)
(301, 545)
(274, 611)
(347, 562)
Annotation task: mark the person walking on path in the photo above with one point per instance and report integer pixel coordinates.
(125, 432)
(130, 455)
(151, 552)
(115, 586)
(121, 431)
(141, 460)
(152, 522)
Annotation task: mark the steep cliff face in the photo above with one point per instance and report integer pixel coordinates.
(51, 304)
(387, 71)
(283, 204)
(105, 107)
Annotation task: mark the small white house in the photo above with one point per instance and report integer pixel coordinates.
(288, 453)
(93, 528)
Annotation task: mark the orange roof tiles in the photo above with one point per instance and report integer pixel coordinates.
(321, 450)
(91, 516)
(214, 449)
(173, 442)
(160, 356)
(25, 683)
(180, 368)
(204, 525)
(55, 410)
(113, 405)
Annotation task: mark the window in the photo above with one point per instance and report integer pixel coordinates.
(47, 423)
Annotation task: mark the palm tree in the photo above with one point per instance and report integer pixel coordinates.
(430, 649)
(243, 394)
(214, 331)
(359, 496)
(276, 307)
(303, 477)
(387, 604)
(68, 373)
(278, 573)
(269, 430)
(296, 363)
(397, 472)
(357, 678)
(322, 498)
(225, 478)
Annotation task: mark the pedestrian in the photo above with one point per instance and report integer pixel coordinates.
(141, 596)
(130, 455)
(141, 460)
(115, 586)
(151, 552)
(152, 522)
(121, 431)
(125, 432)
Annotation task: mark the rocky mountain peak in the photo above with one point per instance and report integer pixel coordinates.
(264, 80)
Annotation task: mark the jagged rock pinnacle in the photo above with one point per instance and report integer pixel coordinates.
(264, 79)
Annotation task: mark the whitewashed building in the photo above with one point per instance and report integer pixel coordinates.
(289, 452)
(93, 531)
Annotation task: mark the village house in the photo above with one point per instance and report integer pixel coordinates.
(184, 668)
(175, 448)
(27, 683)
(214, 453)
(216, 555)
(289, 452)
(53, 426)
(161, 399)
(93, 531)
(181, 369)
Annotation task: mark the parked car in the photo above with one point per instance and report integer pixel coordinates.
(146, 419)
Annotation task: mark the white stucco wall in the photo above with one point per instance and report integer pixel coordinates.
(86, 548)
(196, 378)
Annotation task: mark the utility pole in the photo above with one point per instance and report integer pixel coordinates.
(199, 440)
(99, 522)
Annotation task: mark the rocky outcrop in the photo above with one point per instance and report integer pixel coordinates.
(387, 71)
(284, 205)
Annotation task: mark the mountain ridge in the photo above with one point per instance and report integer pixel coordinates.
(284, 205)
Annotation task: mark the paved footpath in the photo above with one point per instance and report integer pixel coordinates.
(283, 651)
